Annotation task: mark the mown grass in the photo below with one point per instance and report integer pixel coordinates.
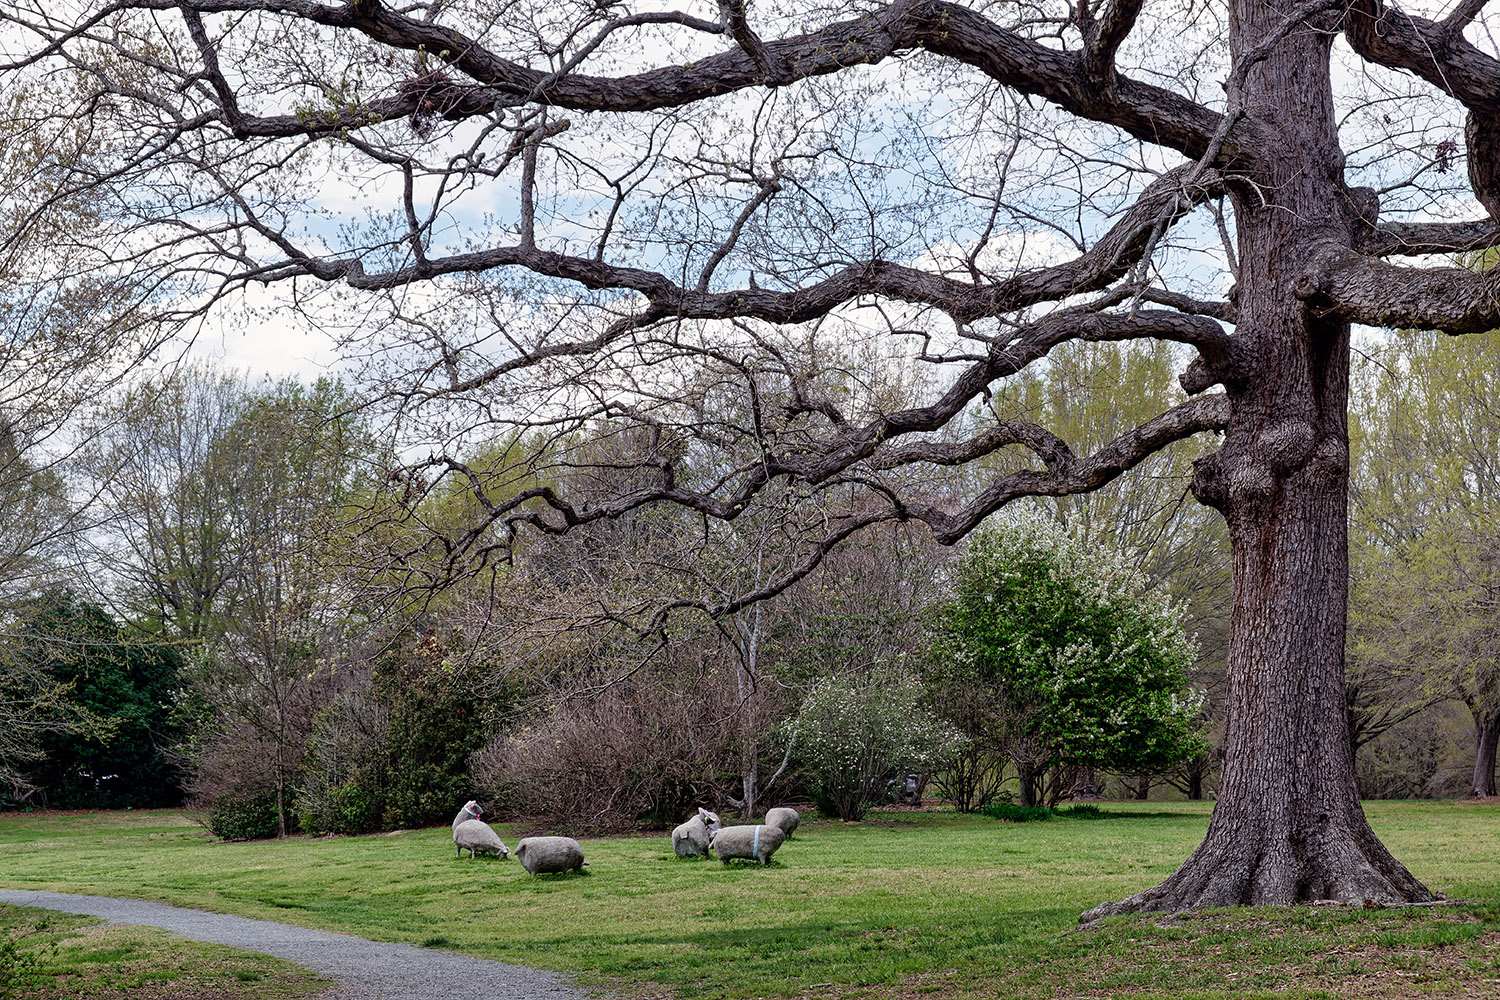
(905, 904)
(45, 955)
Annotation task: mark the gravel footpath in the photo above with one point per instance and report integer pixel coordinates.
(363, 970)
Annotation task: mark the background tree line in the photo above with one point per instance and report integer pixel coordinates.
(229, 624)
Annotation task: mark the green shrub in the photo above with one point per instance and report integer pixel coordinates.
(1012, 813)
(350, 808)
(345, 775)
(20, 973)
(425, 793)
(437, 721)
(855, 733)
(247, 817)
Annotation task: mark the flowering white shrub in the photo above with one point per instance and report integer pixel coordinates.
(1081, 663)
(856, 733)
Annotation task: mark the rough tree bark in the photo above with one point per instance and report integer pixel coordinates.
(1029, 780)
(1486, 742)
(1288, 825)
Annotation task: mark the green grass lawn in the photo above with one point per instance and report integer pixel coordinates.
(45, 954)
(904, 904)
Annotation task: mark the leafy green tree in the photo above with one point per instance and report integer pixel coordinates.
(166, 482)
(855, 733)
(296, 458)
(126, 684)
(80, 311)
(33, 705)
(1090, 394)
(1078, 663)
(1425, 599)
(438, 720)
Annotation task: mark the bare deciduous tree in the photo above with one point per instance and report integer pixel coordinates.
(699, 224)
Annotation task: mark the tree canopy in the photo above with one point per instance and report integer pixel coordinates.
(125, 682)
(1427, 584)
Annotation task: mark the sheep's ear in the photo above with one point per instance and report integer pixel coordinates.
(703, 814)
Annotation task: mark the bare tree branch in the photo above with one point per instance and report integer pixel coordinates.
(1349, 286)
(1387, 35)
(1417, 238)
(1066, 473)
(1151, 113)
(1163, 202)
(1103, 37)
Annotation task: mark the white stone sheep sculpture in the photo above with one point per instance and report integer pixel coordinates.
(690, 840)
(471, 832)
(543, 855)
(784, 817)
(756, 843)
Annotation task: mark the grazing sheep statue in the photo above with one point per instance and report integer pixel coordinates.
(540, 855)
(690, 840)
(784, 817)
(475, 834)
(757, 843)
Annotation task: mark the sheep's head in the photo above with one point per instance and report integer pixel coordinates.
(710, 820)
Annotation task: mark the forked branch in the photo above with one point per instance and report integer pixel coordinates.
(1153, 114)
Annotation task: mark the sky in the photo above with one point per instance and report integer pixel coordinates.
(265, 339)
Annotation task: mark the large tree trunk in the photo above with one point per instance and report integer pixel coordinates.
(1026, 778)
(1486, 739)
(1287, 826)
(749, 777)
(746, 678)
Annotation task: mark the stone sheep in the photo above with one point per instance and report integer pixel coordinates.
(757, 843)
(540, 855)
(690, 840)
(785, 818)
(469, 831)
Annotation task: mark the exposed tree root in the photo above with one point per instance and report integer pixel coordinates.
(1349, 867)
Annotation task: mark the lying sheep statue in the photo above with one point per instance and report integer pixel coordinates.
(757, 843)
(785, 818)
(475, 834)
(540, 855)
(690, 840)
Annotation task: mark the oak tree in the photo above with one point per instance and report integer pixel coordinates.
(692, 221)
